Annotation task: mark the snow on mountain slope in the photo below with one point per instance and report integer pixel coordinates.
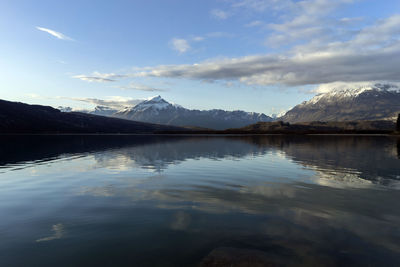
(156, 103)
(158, 110)
(372, 102)
(348, 93)
(103, 111)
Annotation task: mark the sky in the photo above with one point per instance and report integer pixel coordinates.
(253, 55)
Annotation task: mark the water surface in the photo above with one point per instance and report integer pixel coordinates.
(174, 201)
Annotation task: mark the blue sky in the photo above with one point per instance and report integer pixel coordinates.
(255, 55)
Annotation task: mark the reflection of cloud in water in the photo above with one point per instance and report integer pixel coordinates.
(97, 191)
(58, 232)
(296, 191)
(297, 211)
(180, 221)
(339, 179)
(341, 199)
(350, 179)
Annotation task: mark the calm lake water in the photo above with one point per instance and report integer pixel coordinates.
(185, 201)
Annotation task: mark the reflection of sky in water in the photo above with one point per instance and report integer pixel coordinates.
(319, 201)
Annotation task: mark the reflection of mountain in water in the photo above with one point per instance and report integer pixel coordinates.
(398, 148)
(347, 159)
(195, 210)
(158, 155)
(155, 152)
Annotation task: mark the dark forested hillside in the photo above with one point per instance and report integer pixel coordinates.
(23, 118)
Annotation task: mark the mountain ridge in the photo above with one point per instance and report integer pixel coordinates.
(158, 110)
(379, 101)
(376, 102)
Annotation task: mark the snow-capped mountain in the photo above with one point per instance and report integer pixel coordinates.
(98, 110)
(103, 111)
(373, 102)
(158, 110)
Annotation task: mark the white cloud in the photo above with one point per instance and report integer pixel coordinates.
(219, 14)
(308, 20)
(180, 45)
(33, 95)
(198, 38)
(140, 87)
(324, 52)
(254, 23)
(58, 35)
(99, 77)
(117, 102)
(261, 5)
(370, 55)
(92, 78)
(295, 20)
(183, 45)
(350, 20)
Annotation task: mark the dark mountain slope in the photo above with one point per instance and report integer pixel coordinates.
(23, 118)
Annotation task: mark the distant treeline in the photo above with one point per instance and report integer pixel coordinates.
(351, 127)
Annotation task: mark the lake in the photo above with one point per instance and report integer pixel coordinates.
(199, 200)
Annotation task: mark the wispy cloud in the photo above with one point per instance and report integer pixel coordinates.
(254, 23)
(317, 54)
(140, 87)
(348, 21)
(117, 102)
(33, 95)
(293, 20)
(180, 45)
(198, 38)
(308, 20)
(219, 14)
(183, 45)
(370, 55)
(99, 77)
(253, 6)
(92, 78)
(261, 5)
(58, 35)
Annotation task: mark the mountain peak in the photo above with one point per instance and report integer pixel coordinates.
(156, 98)
(155, 103)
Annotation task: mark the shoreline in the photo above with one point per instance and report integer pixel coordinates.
(200, 134)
